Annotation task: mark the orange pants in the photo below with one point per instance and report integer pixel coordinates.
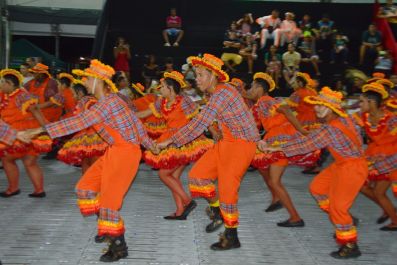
(335, 189)
(103, 186)
(227, 161)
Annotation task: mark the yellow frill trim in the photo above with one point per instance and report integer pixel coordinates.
(291, 103)
(315, 101)
(154, 111)
(28, 103)
(56, 102)
(109, 82)
(352, 233)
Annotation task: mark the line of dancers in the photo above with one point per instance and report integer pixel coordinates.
(104, 132)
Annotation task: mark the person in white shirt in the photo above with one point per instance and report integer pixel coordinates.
(289, 30)
(27, 76)
(270, 28)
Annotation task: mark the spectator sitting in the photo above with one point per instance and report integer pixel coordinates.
(274, 68)
(191, 91)
(308, 52)
(389, 12)
(248, 51)
(291, 62)
(168, 66)
(289, 31)
(31, 61)
(188, 71)
(340, 48)
(384, 63)
(122, 86)
(150, 70)
(324, 33)
(272, 52)
(245, 24)
(371, 40)
(231, 47)
(270, 28)
(174, 25)
(27, 76)
(306, 25)
(340, 87)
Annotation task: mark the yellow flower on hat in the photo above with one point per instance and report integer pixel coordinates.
(267, 78)
(376, 87)
(329, 98)
(139, 88)
(13, 72)
(212, 63)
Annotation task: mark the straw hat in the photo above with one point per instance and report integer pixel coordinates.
(237, 82)
(13, 72)
(392, 103)
(376, 87)
(177, 76)
(385, 82)
(40, 68)
(376, 76)
(100, 71)
(66, 75)
(212, 63)
(267, 78)
(139, 88)
(305, 77)
(329, 98)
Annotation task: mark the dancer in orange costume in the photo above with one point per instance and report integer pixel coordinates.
(102, 188)
(177, 110)
(46, 89)
(229, 159)
(8, 135)
(155, 126)
(380, 126)
(69, 102)
(280, 126)
(305, 112)
(240, 86)
(86, 146)
(19, 110)
(337, 186)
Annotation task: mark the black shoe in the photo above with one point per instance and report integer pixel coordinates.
(388, 228)
(274, 207)
(356, 221)
(227, 240)
(217, 220)
(188, 209)
(4, 194)
(347, 251)
(382, 219)
(117, 250)
(38, 195)
(100, 239)
(288, 223)
(174, 217)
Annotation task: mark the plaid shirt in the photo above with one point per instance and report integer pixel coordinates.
(227, 107)
(326, 136)
(387, 164)
(110, 110)
(7, 134)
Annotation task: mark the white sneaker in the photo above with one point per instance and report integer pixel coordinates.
(167, 44)
(176, 44)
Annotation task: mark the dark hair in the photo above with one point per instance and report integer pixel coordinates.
(80, 88)
(192, 82)
(264, 84)
(372, 95)
(169, 60)
(301, 79)
(174, 84)
(13, 79)
(65, 81)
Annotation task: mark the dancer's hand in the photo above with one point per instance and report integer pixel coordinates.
(24, 137)
(155, 149)
(164, 144)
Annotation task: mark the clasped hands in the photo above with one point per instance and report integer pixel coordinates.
(27, 135)
(266, 148)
